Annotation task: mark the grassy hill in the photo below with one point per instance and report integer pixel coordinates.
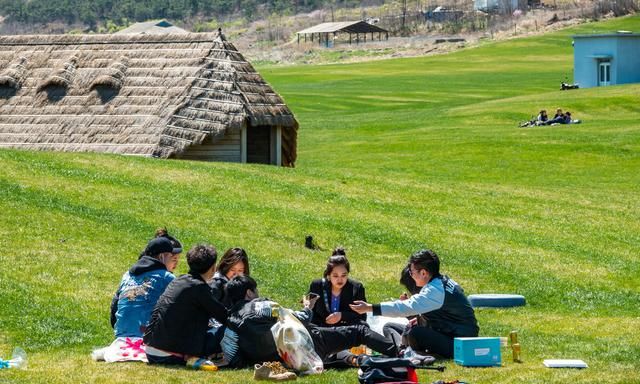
(393, 156)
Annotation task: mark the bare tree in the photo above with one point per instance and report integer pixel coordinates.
(404, 17)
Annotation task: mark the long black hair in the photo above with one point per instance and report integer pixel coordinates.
(407, 280)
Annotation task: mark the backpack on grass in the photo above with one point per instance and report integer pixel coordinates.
(386, 370)
(392, 369)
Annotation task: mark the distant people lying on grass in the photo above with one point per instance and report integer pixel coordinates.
(177, 332)
(559, 118)
(441, 302)
(251, 319)
(564, 118)
(539, 120)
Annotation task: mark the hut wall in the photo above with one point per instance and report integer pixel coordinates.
(226, 148)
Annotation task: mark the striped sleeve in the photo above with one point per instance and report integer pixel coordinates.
(231, 348)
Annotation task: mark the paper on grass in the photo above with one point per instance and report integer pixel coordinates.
(376, 323)
(565, 363)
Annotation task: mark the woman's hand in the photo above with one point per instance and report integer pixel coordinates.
(334, 318)
(361, 307)
(404, 296)
(309, 300)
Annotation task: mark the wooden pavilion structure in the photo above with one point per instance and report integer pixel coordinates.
(327, 32)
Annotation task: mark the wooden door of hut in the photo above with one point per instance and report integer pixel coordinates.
(259, 144)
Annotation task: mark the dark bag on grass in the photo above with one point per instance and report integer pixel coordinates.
(386, 370)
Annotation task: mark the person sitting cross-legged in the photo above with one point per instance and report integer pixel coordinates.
(440, 301)
(139, 290)
(141, 287)
(177, 332)
(248, 338)
(234, 262)
(336, 290)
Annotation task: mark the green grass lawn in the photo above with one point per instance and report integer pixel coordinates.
(393, 156)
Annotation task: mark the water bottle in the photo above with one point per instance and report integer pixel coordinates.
(18, 360)
(276, 312)
(515, 346)
(201, 364)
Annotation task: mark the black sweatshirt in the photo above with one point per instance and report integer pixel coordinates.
(352, 290)
(180, 319)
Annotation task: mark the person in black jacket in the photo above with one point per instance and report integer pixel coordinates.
(178, 327)
(234, 262)
(248, 338)
(336, 291)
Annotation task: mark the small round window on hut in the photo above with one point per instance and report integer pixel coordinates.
(106, 93)
(11, 79)
(7, 91)
(55, 92)
(56, 85)
(108, 84)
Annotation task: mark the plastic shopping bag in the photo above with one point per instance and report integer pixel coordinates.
(294, 344)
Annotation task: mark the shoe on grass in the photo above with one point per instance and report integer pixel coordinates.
(272, 371)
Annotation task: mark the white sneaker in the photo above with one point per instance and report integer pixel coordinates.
(98, 354)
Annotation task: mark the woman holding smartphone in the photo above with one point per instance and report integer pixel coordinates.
(336, 291)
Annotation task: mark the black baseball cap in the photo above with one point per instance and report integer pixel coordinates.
(157, 246)
(175, 243)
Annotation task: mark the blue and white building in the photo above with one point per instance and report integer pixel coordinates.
(606, 59)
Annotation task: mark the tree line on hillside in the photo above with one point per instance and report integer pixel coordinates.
(95, 12)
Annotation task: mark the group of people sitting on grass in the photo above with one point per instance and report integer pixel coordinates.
(558, 118)
(214, 314)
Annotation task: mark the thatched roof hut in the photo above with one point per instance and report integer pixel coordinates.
(188, 96)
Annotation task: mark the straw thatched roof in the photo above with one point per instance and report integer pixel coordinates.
(149, 95)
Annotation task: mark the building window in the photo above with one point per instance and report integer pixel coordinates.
(604, 73)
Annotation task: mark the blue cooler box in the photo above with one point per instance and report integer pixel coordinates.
(477, 351)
